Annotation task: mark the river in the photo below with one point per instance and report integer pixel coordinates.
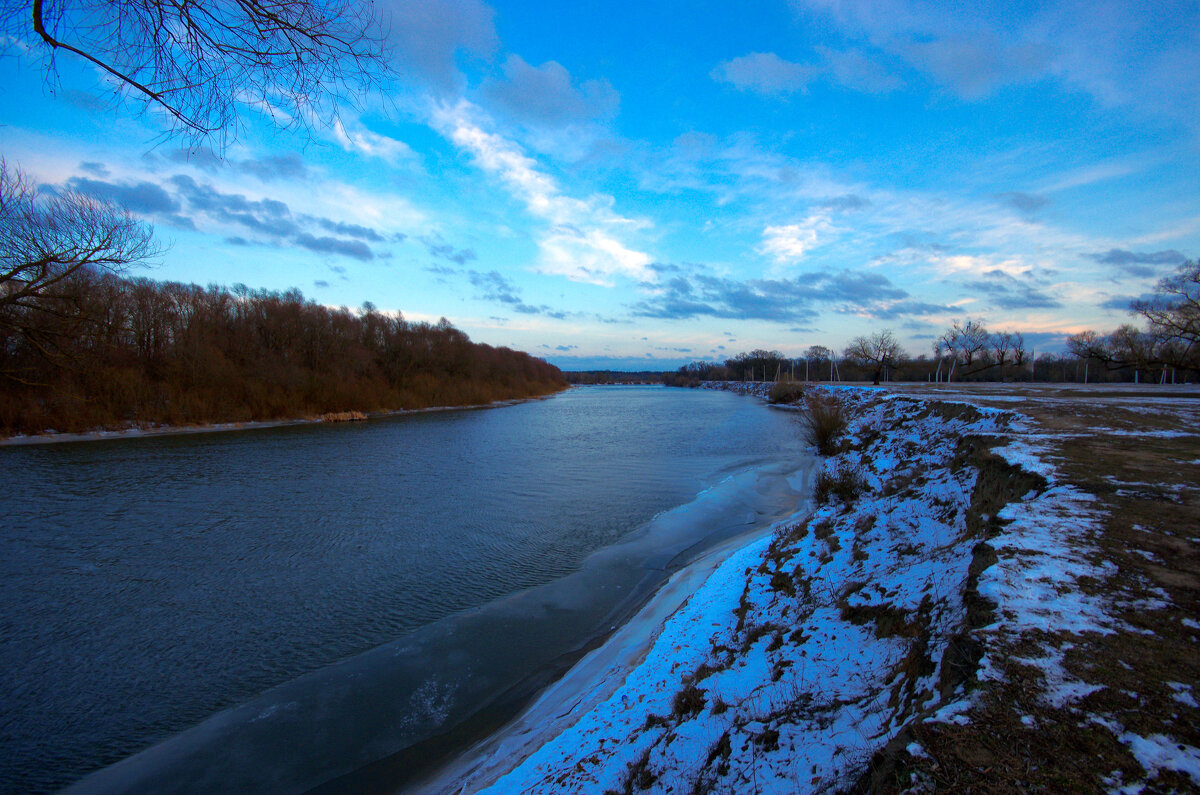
(343, 605)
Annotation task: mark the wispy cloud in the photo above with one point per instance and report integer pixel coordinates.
(789, 301)
(494, 287)
(582, 239)
(439, 248)
(1140, 264)
(855, 70)
(143, 197)
(363, 141)
(547, 95)
(764, 73)
(1005, 291)
(767, 74)
(183, 202)
(1028, 203)
(427, 36)
(975, 49)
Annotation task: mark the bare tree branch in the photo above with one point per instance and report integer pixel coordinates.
(878, 352)
(202, 63)
(1171, 339)
(48, 243)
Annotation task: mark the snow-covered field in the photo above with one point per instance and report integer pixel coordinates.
(803, 655)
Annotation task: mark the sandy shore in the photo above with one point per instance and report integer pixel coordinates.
(225, 427)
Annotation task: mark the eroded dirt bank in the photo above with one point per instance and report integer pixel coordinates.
(984, 600)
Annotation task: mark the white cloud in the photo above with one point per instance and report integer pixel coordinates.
(764, 73)
(427, 34)
(583, 241)
(371, 144)
(789, 243)
(1146, 56)
(546, 95)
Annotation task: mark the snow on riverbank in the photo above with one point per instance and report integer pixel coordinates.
(806, 660)
(804, 653)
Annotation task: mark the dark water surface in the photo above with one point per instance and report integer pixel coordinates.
(304, 603)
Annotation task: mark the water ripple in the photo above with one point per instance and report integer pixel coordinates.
(171, 577)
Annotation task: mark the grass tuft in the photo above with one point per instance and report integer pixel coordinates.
(825, 422)
(786, 392)
(687, 702)
(845, 483)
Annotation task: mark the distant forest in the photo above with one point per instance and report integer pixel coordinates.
(591, 377)
(114, 352)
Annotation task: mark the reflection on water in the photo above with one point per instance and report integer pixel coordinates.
(147, 584)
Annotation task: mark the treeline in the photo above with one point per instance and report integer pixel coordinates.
(1170, 341)
(591, 377)
(828, 366)
(1046, 367)
(1166, 350)
(99, 350)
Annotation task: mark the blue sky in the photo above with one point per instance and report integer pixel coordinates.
(639, 185)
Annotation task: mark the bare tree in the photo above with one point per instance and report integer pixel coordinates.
(966, 341)
(1008, 346)
(877, 352)
(1001, 345)
(1171, 340)
(202, 62)
(818, 355)
(1174, 316)
(1019, 354)
(49, 241)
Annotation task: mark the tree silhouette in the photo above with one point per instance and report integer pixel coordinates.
(876, 352)
(48, 245)
(1172, 336)
(201, 62)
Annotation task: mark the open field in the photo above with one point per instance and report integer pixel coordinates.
(1123, 703)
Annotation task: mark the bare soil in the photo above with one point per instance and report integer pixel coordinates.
(1137, 450)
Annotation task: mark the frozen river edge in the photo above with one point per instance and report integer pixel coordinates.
(594, 678)
(802, 661)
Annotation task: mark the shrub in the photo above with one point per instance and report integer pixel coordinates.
(824, 423)
(844, 483)
(785, 392)
(687, 702)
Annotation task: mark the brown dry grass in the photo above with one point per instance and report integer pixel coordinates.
(1121, 445)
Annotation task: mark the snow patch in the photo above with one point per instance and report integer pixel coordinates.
(1159, 752)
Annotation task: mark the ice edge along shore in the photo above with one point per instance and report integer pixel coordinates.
(797, 661)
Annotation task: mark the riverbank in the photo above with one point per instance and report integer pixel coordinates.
(138, 432)
(594, 678)
(917, 631)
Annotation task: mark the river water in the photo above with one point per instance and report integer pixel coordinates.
(339, 606)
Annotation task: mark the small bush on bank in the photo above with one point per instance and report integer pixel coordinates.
(845, 483)
(824, 423)
(687, 702)
(786, 392)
